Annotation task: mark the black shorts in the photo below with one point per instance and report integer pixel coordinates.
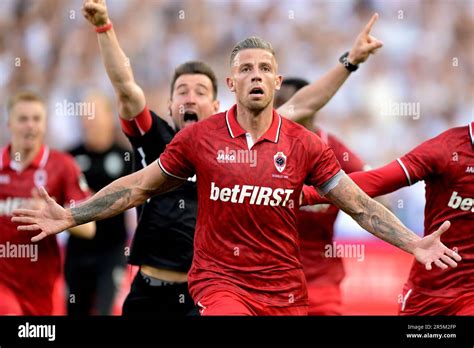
(151, 297)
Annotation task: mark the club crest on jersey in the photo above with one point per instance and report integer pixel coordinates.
(280, 161)
(40, 178)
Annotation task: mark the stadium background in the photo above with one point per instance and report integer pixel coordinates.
(427, 58)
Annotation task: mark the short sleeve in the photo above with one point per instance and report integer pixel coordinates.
(322, 163)
(425, 160)
(178, 159)
(75, 184)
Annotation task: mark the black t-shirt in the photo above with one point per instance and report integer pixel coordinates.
(165, 233)
(100, 169)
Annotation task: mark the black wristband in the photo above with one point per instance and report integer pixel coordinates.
(348, 65)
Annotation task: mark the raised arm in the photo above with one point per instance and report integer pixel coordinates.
(130, 96)
(120, 195)
(375, 218)
(309, 99)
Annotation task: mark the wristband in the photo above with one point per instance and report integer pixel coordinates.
(348, 65)
(104, 28)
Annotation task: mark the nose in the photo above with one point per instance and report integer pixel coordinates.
(190, 98)
(256, 76)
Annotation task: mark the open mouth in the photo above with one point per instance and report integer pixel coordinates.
(256, 91)
(190, 116)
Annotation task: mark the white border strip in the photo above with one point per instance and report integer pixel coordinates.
(405, 170)
(168, 173)
(278, 130)
(471, 132)
(228, 124)
(405, 299)
(45, 157)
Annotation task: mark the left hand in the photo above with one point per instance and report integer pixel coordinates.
(430, 250)
(365, 44)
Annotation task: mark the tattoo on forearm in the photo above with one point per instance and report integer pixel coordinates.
(107, 204)
(373, 216)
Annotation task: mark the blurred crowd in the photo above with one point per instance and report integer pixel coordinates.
(427, 59)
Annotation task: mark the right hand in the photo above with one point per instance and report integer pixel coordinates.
(95, 11)
(50, 219)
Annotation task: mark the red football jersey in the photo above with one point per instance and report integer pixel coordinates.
(246, 239)
(446, 164)
(31, 269)
(316, 224)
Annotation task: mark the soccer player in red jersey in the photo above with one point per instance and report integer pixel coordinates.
(446, 164)
(28, 271)
(163, 243)
(316, 223)
(246, 248)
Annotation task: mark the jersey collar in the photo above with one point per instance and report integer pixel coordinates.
(38, 162)
(235, 130)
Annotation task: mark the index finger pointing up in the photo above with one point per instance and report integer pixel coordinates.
(369, 25)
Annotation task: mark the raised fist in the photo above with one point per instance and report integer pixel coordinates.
(95, 11)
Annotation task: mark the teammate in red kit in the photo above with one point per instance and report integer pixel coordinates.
(246, 256)
(446, 164)
(29, 271)
(316, 223)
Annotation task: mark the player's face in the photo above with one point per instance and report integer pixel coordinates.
(254, 78)
(283, 95)
(27, 124)
(192, 100)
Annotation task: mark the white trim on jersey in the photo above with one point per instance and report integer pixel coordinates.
(45, 157)
(202, 306)
(405, 170)
(168, 173)
(471, 132)
(228, 124)
(405, 298)
(278, 130)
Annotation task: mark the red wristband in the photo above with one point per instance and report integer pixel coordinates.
(104, 28)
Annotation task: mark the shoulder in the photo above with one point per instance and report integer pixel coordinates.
(300, 134)
(212, 123)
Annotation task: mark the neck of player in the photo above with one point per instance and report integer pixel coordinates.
(255, 122)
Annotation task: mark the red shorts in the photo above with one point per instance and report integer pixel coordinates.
(223, 302)
(324, 300)
(415, 303)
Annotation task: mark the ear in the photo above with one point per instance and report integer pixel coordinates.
(216, 104)
(230, 83)
(278, 81)
(169, 107)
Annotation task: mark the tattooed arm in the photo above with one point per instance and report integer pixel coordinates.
(122, 194)
(379, 221)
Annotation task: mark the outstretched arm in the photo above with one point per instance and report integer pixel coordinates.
(309, 99)
(122, 194)
(375, 218)
(130, 96)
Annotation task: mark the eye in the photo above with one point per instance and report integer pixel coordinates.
(245, 69)
(266, 68)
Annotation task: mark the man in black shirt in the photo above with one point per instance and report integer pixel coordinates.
(94, 268)
(163, 242)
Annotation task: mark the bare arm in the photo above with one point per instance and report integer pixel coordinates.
(86, 231)
(120, 195)
(131, 98)
(379, 221)
(309, 99)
